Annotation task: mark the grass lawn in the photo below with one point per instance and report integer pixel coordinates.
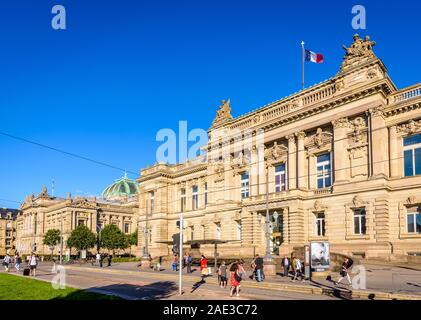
(19, 288)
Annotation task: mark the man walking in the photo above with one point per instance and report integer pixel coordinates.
(18, 261)
(297, 265)
(33, 262)
(189, 261)
(7, 260)
(259, 268)
(286, 265)
(109, 258)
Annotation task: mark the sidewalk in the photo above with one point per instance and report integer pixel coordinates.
(383, 282)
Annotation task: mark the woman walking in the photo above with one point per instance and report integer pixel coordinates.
(344, 272)
(203, 267)
(235, 280)
(18, 261)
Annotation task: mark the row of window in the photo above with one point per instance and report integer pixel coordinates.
(360, 223)
(195, 197)
(218, 231)
(324, 176)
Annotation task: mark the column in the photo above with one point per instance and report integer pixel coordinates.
(341, 162)
(393, 152)
(312, 173)
(379, 143)
(302, 176)
(254, 172)
(292, 158)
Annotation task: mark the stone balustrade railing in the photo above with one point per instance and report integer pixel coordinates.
(406, 94)
(285, 106)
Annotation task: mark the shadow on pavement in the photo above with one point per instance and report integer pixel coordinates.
(153, 291)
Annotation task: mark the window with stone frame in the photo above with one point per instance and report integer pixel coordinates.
(206, 193)
(320, 224)
(245, 185)
(126, 227)
(152, 200)
(280, 177)
(324, 168)
(412, 155)
(195, 197)
(413, 220)
(183, 199)
(360, 221)
(192, 233)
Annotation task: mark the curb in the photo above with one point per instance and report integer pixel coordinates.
(356, 294)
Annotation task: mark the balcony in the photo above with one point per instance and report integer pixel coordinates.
(406, 94)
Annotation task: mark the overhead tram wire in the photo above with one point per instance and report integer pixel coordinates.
(74, 155)
(163, 187)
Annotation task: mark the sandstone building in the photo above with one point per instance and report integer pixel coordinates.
(343, 161)
(118, 205)
(7, 230)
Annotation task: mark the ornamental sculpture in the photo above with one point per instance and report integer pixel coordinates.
(358, 51)
(223, 114)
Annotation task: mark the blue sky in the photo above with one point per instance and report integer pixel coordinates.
(125, 69)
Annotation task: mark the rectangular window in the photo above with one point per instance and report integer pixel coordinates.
(195, 197)
(183, 200)
(206, 193)
(126, 228)
(191, 233)
(245, 185)
(324, 177)
(320, 225)
(412, 155)
(280, 178)
(360, 222)
(414, 220)
(152, 197)
(81, 222)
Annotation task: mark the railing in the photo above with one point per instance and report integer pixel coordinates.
(406, 94)
(283, 107)
(324, 191)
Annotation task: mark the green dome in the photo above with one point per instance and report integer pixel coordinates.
(123, 187)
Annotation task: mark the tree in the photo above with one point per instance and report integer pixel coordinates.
(81, 238)
(112, 238)
(51, 239)
(132, 240)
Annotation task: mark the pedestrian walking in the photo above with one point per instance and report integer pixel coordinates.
(344, 272)
(259, 268)
(7, 260)
(33, 263)
(235, 280)
(286, 265)
(204, 267)
(98, 259)
(222, 273)
(175, 263)
(189, 263)
(18, 262)
(109, 259)
(297, 266)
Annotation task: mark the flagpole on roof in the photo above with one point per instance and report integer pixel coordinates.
(303, 62)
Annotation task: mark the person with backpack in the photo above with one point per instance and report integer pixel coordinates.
(7, 260)
(235, 280)
(18, 262)
(344, 272)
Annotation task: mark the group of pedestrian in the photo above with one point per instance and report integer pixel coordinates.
(32, 262)
(296, 267)
(257, 268)
(235, 273)
(99, 257)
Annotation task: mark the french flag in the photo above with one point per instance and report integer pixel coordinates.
(313, 57)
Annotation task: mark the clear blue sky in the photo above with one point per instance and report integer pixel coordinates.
(125, 69)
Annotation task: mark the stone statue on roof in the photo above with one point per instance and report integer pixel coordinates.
(357, 51)
(223, 114)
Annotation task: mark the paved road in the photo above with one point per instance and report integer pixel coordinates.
(145, 286)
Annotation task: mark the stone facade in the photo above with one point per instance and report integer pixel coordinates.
(334, 158)
(44, 212)
(7, 230)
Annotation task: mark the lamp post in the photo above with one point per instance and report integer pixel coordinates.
(61, 238)
(145, 259)
(180, 257)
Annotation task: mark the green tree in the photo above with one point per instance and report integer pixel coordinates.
(113, 239)
(81, 238)
(132, 240)
(51, 239)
